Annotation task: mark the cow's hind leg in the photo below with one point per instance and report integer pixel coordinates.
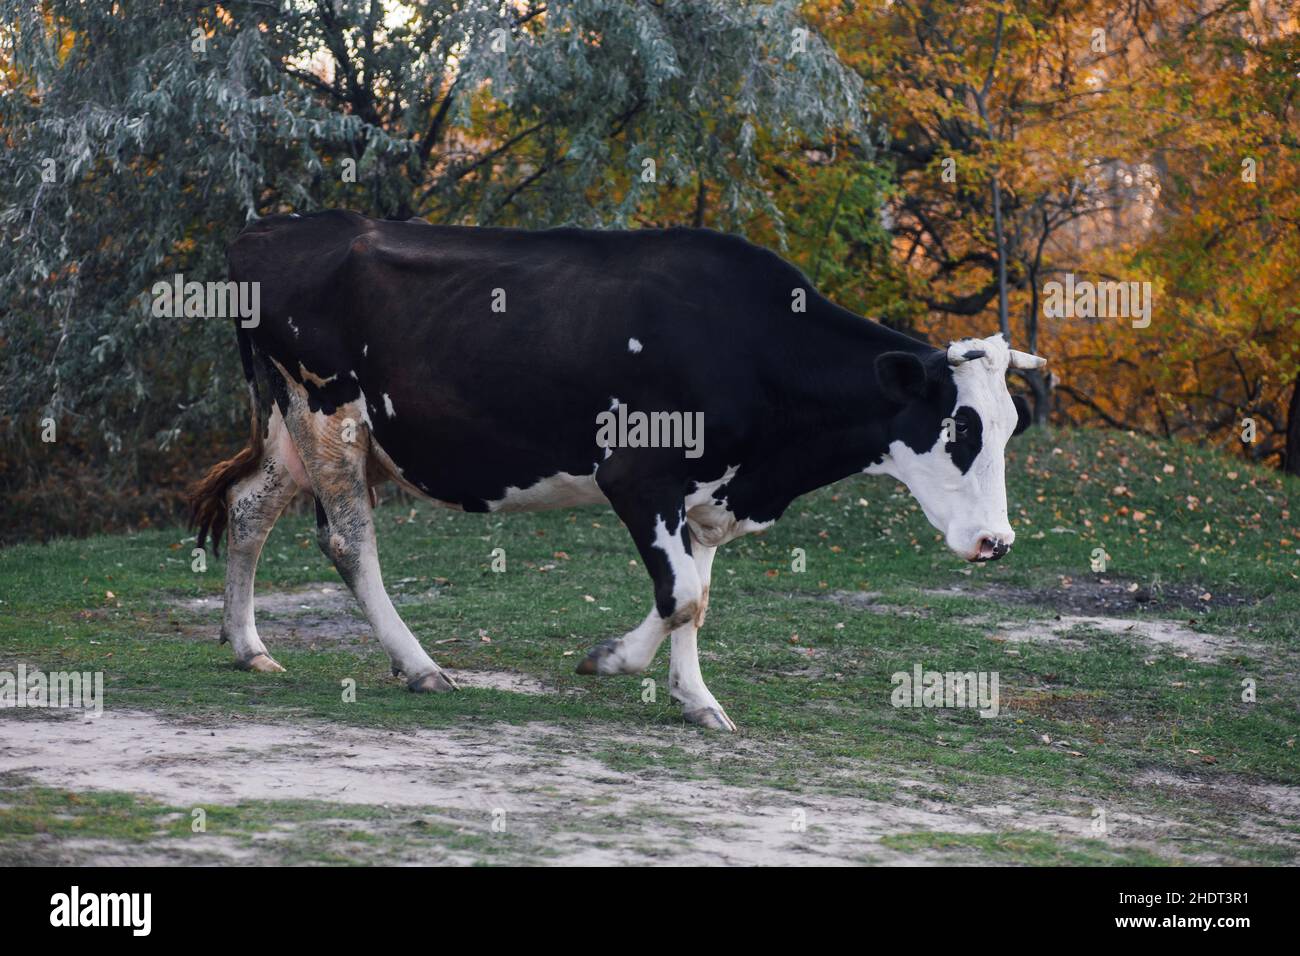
(254, 503)
(334, 449)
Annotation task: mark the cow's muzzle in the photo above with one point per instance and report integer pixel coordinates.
(990, 548)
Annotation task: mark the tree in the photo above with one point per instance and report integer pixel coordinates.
(1209, 125)
(141, 135)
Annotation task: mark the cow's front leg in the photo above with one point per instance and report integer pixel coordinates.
(685, 682)
(652, 509)
(658, 527)
(629, 654)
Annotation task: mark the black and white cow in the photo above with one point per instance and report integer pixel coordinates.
(472, 365)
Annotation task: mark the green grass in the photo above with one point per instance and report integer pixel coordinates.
(806, 677)
(1025, 847)
(297, 832)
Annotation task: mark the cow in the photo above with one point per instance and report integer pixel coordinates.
(479, 368)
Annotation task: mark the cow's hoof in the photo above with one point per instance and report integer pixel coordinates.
(714, 718)
(262, 663)
(434, 682)
(599, 659)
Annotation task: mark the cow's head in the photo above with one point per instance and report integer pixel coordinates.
(948, 437)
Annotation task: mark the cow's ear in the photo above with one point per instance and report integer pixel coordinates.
(1023, 418)
(902, 376)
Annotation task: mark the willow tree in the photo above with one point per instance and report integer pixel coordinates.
(140, 136)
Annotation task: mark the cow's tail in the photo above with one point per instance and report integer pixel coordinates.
(209, 510)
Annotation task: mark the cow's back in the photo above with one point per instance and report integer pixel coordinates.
(485, 355)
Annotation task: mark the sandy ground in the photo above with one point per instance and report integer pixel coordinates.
(550, 798)
(1181, 640)
(1070, 630)
(563, 803)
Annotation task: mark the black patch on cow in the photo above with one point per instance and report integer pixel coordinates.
(969, 430)
(919, 423)
(902, 377)
(1023, 418)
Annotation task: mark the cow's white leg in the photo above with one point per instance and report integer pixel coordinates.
(681, 569)
(685, 682)
(254, 504)
(629, 654)
(347, 536)
(677, 597)
(334, 449)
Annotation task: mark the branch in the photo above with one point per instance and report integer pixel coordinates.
(435, 127)
(1101, 413)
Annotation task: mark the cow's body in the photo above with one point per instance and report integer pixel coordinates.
(471, 365)
(475, 407)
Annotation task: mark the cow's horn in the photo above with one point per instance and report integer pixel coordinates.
(960, 358)
(1025, 360)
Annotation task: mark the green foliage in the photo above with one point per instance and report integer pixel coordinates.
(165, 127)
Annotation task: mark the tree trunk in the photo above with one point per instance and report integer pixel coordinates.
(1291, 456)
(1004, 320)
(1039, 383)
(1040, 389)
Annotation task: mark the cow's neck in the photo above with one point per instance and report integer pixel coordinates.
(832, 419)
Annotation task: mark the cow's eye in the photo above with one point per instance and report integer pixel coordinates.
(962, 427)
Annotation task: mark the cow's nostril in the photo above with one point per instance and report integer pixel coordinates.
(991, 548)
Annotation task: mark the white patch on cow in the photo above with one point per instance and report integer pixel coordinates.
(703, 493)
(711, 519)
(296, 331)
(561, 490)
(363, 405)
(364, 349)
(353, 373)
(686, 577)
(405, 651)
(613, 407)
(633, 346)
(388, 406)
(749, 526)
(965, 507)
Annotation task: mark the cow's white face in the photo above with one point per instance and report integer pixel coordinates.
(947, 443)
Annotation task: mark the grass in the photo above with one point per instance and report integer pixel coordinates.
(299, 832)
(805, 673)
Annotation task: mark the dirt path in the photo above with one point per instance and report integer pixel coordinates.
(559, 804)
